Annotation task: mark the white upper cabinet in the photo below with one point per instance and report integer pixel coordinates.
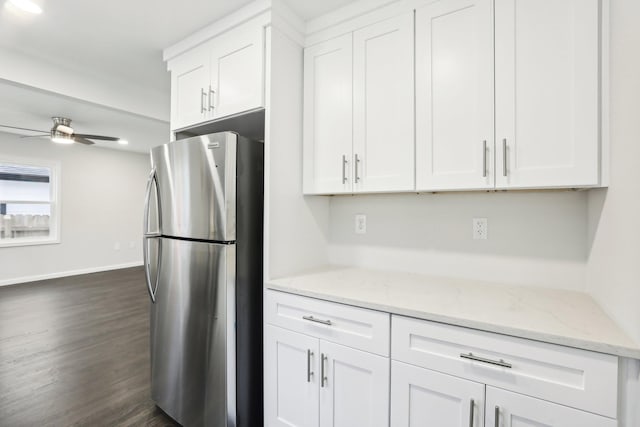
(221, 77)
(358, 111)
(328, 138)
(189, 96)
(454, 95)
(383, 94)
(547, 93)
(236, 71)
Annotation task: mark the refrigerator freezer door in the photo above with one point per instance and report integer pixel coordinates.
(196, 187)
(193, 335)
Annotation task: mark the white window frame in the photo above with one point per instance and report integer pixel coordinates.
(55, 202)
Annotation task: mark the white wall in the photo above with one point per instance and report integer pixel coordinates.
(102, 195)
(534, 238)
(614, 214)
(296, 227)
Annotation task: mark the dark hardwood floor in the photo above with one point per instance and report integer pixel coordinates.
(75, 352)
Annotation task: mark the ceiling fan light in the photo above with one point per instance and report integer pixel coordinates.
(123, 142)
(61, 138)
(64, 129)
(26, 6)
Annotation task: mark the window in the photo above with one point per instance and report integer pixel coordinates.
(29, 202)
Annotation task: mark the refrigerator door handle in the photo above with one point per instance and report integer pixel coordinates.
(147, 200)
(147, 235)
(147, 267)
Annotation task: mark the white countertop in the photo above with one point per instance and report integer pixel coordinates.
(562, 317)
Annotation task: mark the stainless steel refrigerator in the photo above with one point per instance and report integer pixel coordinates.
(203, 236)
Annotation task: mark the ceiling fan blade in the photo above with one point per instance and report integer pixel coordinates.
(48, 135)
(98, 137)
(81, 140)
(19, 128)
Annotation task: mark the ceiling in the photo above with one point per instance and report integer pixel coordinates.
(30, 108)
(119, 39)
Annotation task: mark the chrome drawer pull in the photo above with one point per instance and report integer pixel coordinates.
(471, 413)
(500, 362)
(313, 319)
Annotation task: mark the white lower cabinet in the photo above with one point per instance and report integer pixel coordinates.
(311, 381)
(507, 409)
(421, 397)
(438, 370)
(334, 365)
(291, 394)
(355, 390)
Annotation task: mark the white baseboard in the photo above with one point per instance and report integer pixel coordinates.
(24, 279)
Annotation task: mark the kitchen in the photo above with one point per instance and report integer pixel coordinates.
(541, 276)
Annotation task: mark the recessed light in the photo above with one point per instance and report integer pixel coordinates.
(26, 6)
(123, 142)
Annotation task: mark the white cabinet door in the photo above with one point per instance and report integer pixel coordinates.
(517, 410)
(291, 379)
(421, 397)
(355, 391)
(383, 106)
(237, 64)
(328, 87)
(189, 89)
(454, 95)
(547, 121)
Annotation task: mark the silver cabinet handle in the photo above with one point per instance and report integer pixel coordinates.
(500, 362)
(211, 95)
(471, 413)
(313, 319)
(344, 169)
(323, 377)
(357, 169)
(484, 158)
(504, 157)
(203, 94)
(497, 417)
(309, 372)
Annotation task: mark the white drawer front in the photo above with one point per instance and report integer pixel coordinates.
(576, 378)
(355, 327)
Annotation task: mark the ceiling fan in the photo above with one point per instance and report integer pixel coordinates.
(63, 133)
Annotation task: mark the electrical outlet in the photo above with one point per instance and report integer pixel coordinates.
(480, 230)
(361, 224)
(132, 244)
(116, 246)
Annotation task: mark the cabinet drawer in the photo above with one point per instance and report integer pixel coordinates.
(355, 327)
(577, 378)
